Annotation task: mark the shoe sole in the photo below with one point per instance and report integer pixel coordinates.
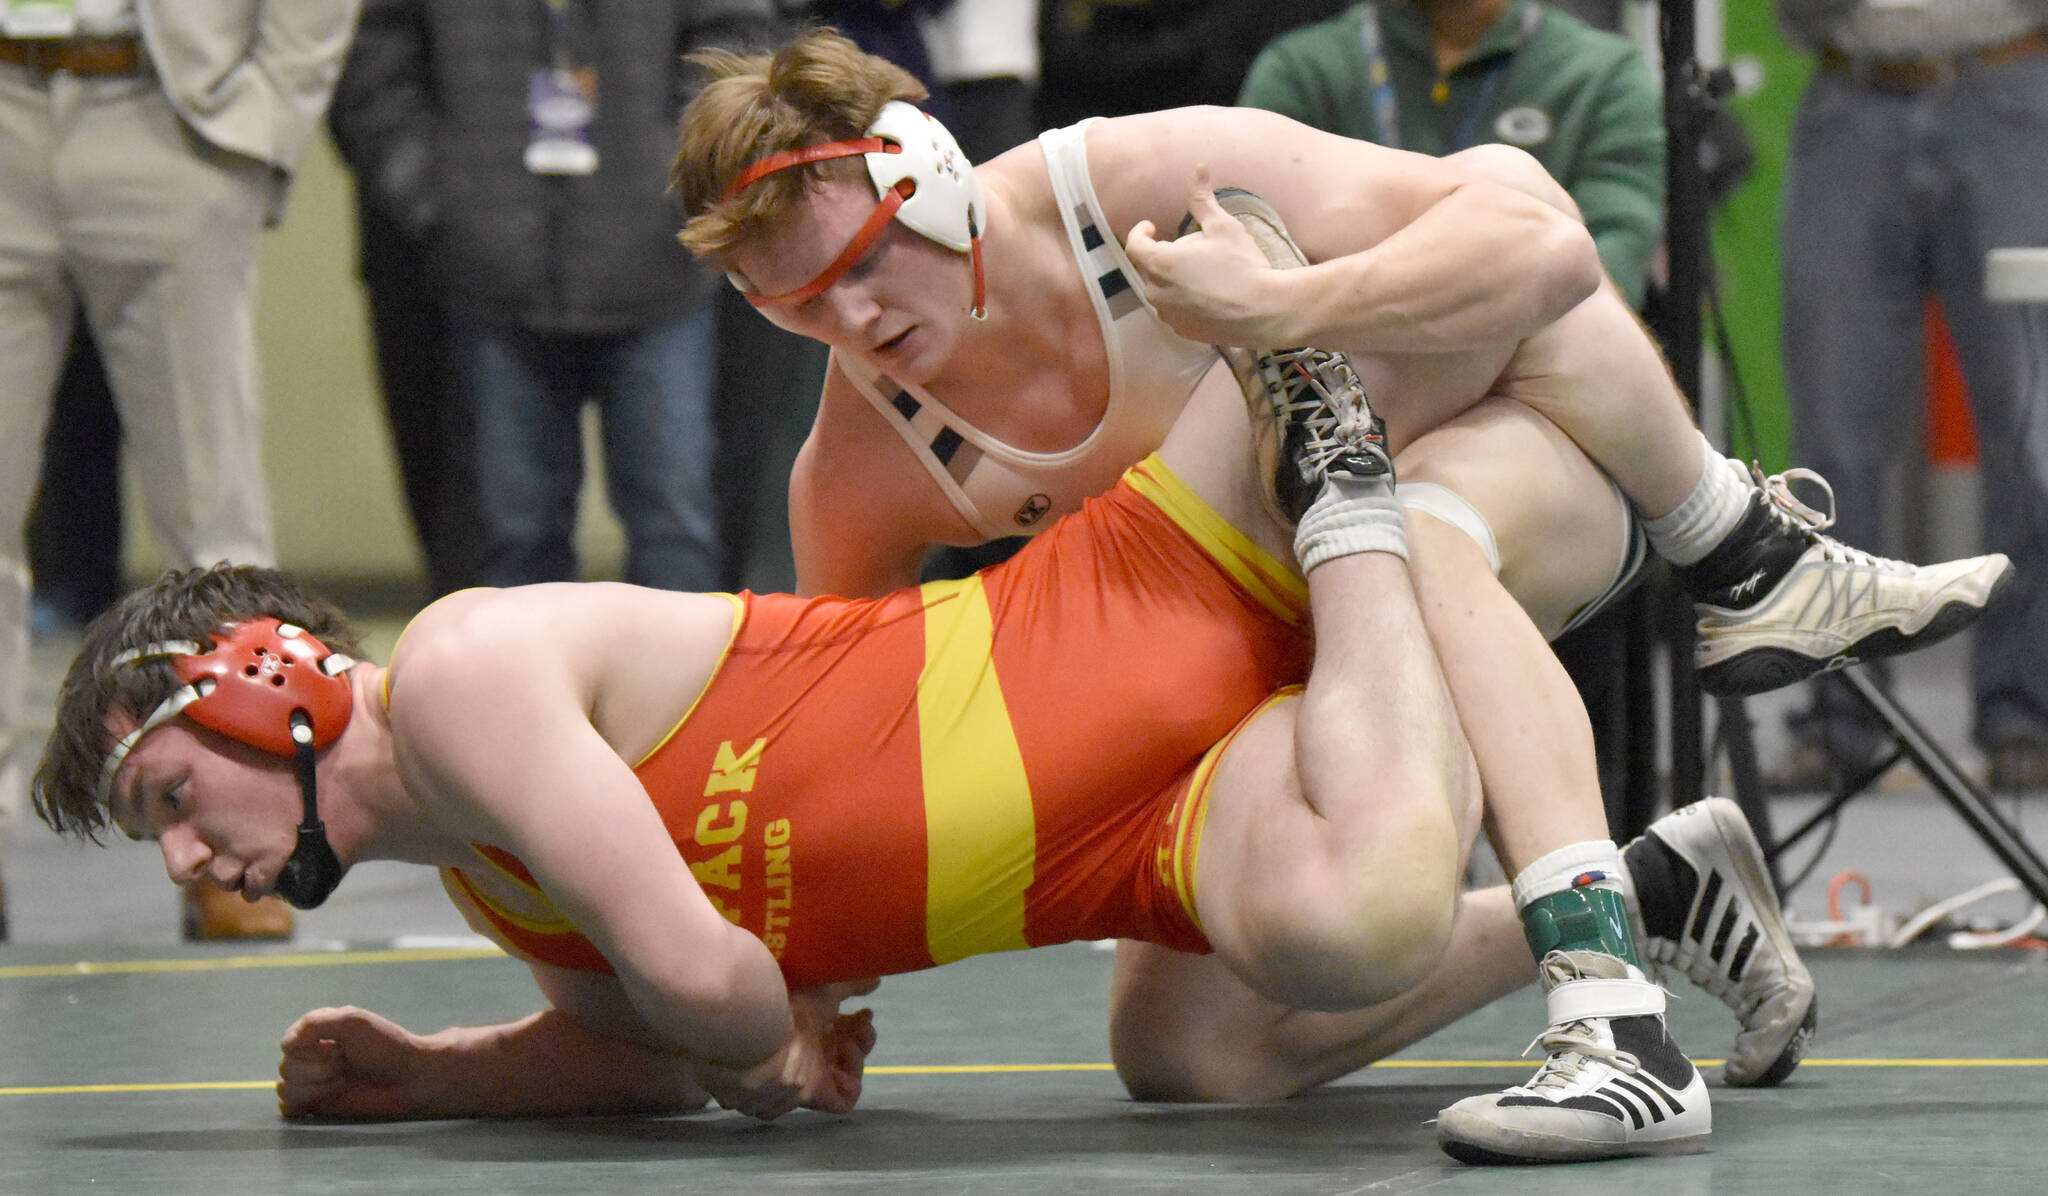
(1483, 1144)
(1564, 1150)
(1761, 670)
(1743, 851)
(1258, 219)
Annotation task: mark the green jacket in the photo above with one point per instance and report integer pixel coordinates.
(1581, 100)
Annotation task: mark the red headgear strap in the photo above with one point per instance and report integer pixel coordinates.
(855, 249)
(262, 670)
(809, 153)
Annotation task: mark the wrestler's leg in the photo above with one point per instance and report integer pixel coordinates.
(1338, 822)
(1617, 398)
(1331, 858)
(1777, 599)
(1182, 1027)
(1269, 881)
(1559, 530)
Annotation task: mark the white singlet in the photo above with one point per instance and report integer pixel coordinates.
(1007, 491)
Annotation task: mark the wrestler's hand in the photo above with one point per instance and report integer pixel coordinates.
(840, 1042)
(1213, 285)
(818, 1068)
(351, 1063)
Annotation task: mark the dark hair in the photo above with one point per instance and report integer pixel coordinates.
(189, 604)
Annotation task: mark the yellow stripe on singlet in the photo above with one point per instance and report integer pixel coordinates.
(977, 800)
(1270, 581)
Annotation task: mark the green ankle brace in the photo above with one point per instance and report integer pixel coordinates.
(1585, 918)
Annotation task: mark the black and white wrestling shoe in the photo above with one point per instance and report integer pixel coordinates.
(1778, 601)
(1703, 889)
(1614, 1085)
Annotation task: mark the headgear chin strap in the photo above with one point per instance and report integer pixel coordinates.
(922, 179)
(274, 687)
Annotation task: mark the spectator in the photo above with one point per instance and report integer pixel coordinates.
(74, 527)
(1918, 148)
(143, 145)
(522, 149)
(432, 431)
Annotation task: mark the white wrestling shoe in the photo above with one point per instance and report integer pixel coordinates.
(1311, 418)
(1614, 1084)
(1778, 601)
(1703, 890)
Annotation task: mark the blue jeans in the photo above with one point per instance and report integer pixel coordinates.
(1888, 198)
(653, 390)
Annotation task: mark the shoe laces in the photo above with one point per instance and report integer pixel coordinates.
(1318, 391)
(1571, 1047)
(1795, 515)
(1777, 488)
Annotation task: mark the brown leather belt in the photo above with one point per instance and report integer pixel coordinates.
(75, 55)
(1905, 76)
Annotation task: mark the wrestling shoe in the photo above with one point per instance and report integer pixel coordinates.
(1614, 1084)
(1310, 416)
(1778, 601)
(1316, 424)
(1703, 890)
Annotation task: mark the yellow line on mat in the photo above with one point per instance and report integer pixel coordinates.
(74, 1089)
(224, 963)
(966, 1069)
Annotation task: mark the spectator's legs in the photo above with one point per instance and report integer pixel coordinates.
(431, 429)
(1990, 129)
(74, 531)
(1854, 296)
(527, 391)
(766, 398)
(659, 449)
(161, 234)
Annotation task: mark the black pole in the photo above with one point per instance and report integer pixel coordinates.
(1686, 102)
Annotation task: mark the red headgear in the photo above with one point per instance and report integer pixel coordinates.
(246, 688)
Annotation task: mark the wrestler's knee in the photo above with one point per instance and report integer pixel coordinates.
(1517, 168)
(1374, 943)
(1172, 1056)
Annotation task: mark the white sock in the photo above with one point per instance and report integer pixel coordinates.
(1699, 524)
(1350, 516)
(1554, 873)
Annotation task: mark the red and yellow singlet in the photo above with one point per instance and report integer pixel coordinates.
(1012, 760)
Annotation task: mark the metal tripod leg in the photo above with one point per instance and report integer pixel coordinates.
(1968, 801)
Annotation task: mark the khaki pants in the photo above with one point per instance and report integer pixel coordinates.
(109, 202)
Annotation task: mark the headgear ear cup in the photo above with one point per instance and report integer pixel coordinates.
(948, 205)
(270, 685)
(262, 671)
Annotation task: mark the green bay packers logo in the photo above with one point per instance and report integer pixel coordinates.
(1523, 126)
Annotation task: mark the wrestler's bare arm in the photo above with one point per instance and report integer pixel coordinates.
(353, 1064)
(861, 509)
(492, 711)
(1412, 254)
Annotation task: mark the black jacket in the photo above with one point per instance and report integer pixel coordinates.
(431, 117)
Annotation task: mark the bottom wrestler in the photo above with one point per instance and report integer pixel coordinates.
(1117, 733)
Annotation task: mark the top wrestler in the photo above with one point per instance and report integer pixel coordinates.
(963, 731)
(999, 355)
